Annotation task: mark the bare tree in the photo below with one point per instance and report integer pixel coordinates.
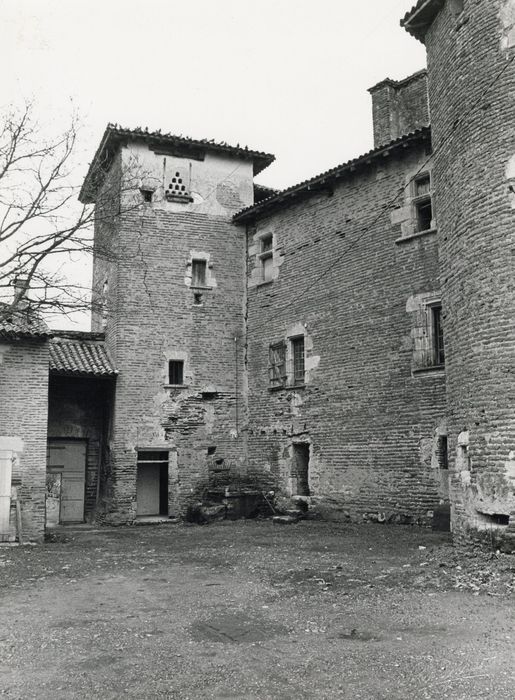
(42, 222)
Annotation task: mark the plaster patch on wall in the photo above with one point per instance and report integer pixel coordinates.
(12, 443)
(507, 16)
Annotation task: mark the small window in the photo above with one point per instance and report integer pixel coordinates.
(297, 351)
(175, 372)
(266, 258)
(198, 273)
(277, 364)
(442, 452)
(437, 333)
(423, 203)
(147, 195)
(266, 244)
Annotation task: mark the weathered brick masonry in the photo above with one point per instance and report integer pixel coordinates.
(346, 279)
(471, 60)
(23, 429)
(154, 312)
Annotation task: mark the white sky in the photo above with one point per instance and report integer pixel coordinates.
(289, 77)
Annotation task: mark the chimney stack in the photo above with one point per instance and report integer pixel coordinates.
(21, 287)
(399, 107)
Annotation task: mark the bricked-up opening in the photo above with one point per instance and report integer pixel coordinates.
(300, 469)
(422, 202)
(297, 351)
(198, 273)
(437, 328)
(442, 453)
(152, 483)
(175, 372)
(266, 258)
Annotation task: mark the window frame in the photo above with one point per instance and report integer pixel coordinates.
(437, 336)
(419, 201)
(196, 283)
(294, 379)
(177, 363)
(277, 378)
(287, 373)
(266, 253)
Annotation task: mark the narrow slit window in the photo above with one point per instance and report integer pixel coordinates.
(438, 346)
(198, 273)
(297, 350)
(266, 257)
(176, 372)
(442, 452)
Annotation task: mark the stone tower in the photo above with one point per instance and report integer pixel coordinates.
(471, 65)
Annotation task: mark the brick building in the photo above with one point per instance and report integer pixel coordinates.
(250, 339)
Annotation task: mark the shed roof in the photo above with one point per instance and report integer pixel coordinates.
(115, 135)
(80, 354)
(326, 179)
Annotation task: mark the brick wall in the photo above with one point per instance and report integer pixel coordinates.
(472, 96)
(79, 409)
(370, 422)
(156, 316)
(23, 423)
(399, 107)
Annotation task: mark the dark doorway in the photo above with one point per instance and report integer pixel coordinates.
(152, 484)
(300, 469)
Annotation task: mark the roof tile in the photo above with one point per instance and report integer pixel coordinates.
(22, 323)
(80, 357)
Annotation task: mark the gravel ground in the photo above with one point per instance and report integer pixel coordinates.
(255, 610)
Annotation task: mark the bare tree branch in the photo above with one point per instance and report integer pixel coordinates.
(41, 220)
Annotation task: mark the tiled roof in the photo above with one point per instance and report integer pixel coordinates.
(324, 180)
(79, 355)
(22, 324)
(115, 135)
(418, 20)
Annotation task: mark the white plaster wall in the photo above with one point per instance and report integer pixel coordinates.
(220, 185)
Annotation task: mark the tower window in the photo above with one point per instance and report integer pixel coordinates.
(297, 352)
(198, 273)
(438, 346)
(266, 258)
(423, 203)
(176, 372)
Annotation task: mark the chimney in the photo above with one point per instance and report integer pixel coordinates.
(399, 107)
(21, 287)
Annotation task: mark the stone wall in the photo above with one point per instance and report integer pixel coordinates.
(353, 282)
(23, 423)
(471, 52)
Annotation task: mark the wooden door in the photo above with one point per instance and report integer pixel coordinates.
(69, 459)
(148, 489)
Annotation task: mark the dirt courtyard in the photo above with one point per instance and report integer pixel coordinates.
(254, 610)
